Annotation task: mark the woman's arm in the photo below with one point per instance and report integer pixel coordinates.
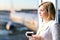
(32, 26)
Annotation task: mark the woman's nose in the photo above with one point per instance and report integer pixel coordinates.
(39, 12)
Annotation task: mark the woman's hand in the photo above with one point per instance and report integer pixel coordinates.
(31, 25)
(36, 37)
(7, 26)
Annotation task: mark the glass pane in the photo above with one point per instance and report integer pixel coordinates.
(59, 16)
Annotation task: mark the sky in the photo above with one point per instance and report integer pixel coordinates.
(18, 4)
(58, 4)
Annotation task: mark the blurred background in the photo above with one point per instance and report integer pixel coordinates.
(22, 15)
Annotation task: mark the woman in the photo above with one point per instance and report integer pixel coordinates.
(46, 32)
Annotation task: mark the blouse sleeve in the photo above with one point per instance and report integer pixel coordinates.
(55, 30)
(38, 32)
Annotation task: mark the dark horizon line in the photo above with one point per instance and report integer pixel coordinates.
(21, 9)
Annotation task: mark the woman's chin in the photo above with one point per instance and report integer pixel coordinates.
(41, 17)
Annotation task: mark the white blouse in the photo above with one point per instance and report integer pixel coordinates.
(49, 31)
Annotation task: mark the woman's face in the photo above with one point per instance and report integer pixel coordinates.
(43, 13)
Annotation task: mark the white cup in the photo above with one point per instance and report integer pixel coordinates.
(29, 34)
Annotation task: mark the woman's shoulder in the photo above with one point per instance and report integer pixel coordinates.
(53, 22)
(54, 25)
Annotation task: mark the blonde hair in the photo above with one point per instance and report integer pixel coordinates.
(50, 9)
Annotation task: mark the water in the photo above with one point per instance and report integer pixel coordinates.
(20, 33)
(26, 15)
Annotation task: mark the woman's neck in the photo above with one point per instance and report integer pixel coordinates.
(46, 21)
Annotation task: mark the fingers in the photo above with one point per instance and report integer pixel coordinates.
(36, 37)
(31, 38)
(7, 26)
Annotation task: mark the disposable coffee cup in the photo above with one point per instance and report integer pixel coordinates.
(29, 34)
